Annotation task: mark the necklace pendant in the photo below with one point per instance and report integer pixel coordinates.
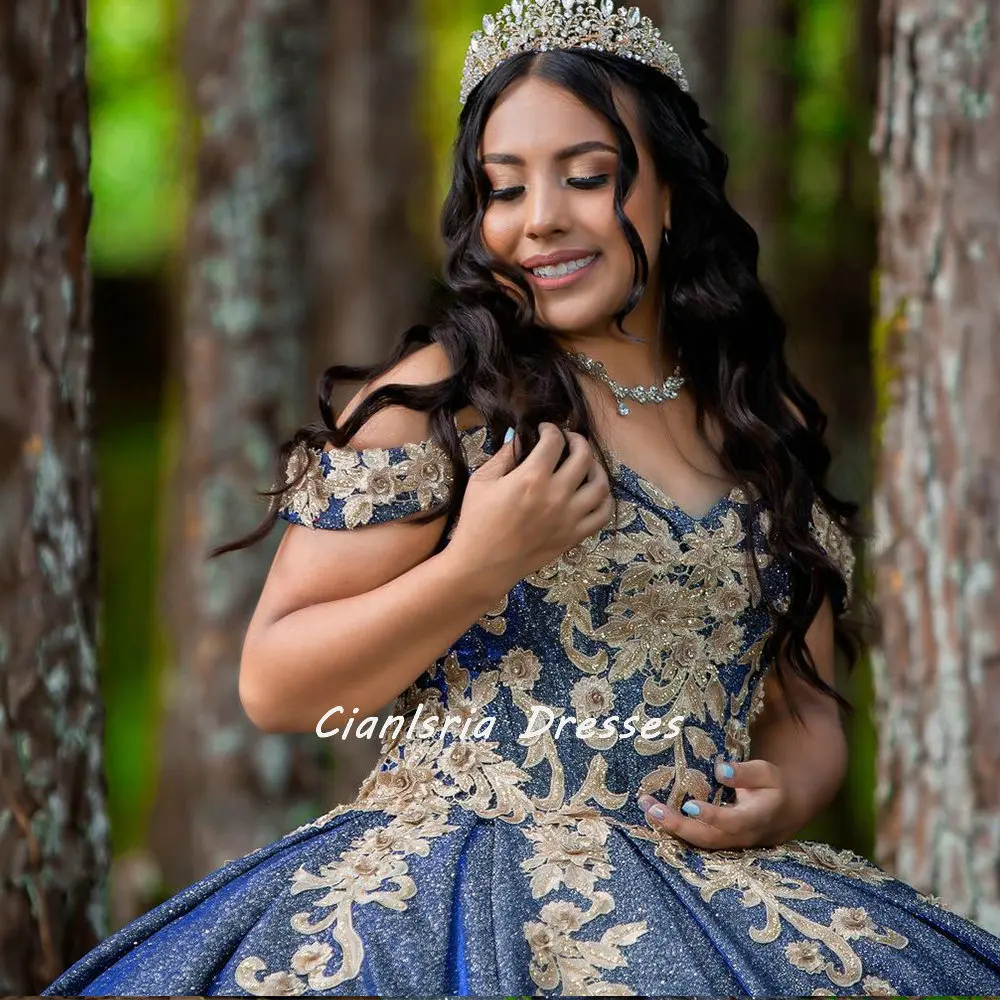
(641, 394)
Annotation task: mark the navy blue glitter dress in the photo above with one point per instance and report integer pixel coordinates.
(508, 864)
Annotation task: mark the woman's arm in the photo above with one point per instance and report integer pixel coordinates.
(794, 771)
(353, 617)
(812, 755)
(358, 651)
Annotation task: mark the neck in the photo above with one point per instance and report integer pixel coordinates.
(625, 360)
(637, 355)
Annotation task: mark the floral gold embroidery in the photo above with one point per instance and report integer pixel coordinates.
(571, 851)
(762, 886)
(654, 616)
(349, 488)
(832, 537)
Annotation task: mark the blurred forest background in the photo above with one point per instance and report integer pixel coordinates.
(338, 153)
(266, 179)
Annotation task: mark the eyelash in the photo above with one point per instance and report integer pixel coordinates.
(584, 183)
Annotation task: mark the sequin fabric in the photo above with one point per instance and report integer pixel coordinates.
(516, 861)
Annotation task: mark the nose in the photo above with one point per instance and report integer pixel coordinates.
(545, 211)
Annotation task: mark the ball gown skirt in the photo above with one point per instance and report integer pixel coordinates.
(517, 862)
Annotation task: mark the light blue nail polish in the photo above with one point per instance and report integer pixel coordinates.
(509, 436)
(691, 808)
(656, 812)
(726, 770)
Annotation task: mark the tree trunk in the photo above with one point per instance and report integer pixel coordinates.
(371, 251)
(760, 123)
(53, 823)
(830, 254)
(699, 31)
(253, 66)
(376, 183)
(836, 313)
(937, 503)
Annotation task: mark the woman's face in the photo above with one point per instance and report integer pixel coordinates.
(551, 162)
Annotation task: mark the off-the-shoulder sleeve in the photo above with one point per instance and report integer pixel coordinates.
(837, 543)
(352, 487)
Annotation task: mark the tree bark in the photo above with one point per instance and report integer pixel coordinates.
(253, 68)
(376, 183)
(937, 503)
(370, 248)
(53, 823)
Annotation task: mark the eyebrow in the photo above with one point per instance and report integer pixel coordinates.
(592, 145)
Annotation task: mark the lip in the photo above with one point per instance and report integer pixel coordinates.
(567, 279)
(559, 257)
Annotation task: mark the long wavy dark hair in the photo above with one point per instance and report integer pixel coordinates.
(715, 313)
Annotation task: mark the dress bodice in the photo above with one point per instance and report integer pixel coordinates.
(656, 619)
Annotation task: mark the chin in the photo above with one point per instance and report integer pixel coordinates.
(568, 321)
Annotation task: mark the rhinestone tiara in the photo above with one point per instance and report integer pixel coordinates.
(543, 25)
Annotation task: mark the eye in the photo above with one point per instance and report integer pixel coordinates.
(598, 180)
(506, 194)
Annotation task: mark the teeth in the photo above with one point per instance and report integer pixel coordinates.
(559, 270)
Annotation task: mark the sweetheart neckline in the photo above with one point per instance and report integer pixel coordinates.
(666, 501)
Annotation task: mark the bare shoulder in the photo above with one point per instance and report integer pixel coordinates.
(396, 425)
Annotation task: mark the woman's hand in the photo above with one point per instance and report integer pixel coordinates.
(759, 817)
(515, 519)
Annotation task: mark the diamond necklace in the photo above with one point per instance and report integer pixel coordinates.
(640, 394)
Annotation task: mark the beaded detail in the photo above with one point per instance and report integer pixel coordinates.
(544, 25)
(349, 487)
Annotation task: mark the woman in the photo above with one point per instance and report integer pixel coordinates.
(620, 653)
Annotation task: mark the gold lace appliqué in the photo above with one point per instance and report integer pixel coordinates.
(361, 484)
(675, 620)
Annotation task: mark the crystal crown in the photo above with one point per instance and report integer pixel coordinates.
(543, 25)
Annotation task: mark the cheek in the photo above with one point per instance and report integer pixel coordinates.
(602, 219)
(641, 212)
(499, 233)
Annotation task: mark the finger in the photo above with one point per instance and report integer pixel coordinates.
(498, 464)
(756, 773)
(662, 817)
(599, 518)
(592, 493)
(574, 470)
(546, 454)
(726, 819)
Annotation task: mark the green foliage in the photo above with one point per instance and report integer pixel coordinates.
(860, 779)
(828, 117)
(136, 121)
(823, 109)
(447, 27)
(128, 475)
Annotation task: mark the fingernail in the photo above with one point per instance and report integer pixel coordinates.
(509, 436)
(656, 812)
(645, 802)
(691, 808)
(726, 770)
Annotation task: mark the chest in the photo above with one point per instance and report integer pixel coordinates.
(662, 443)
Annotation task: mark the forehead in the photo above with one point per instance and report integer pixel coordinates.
(535, 117)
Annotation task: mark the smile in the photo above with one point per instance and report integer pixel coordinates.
(560, 275)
